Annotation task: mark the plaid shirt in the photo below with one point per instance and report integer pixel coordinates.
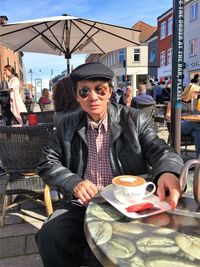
(98, 168)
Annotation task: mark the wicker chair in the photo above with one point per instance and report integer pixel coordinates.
(20, 150)
(43, 117)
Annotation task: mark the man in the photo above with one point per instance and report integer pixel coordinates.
(90, 147)
(142, 97)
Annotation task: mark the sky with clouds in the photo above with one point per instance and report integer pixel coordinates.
(125, 13)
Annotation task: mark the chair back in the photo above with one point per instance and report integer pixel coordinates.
(43, 117)
(21, 147)
(147, 108)
(46, 107)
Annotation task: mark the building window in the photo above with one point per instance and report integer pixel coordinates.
(112, 59)
(162, 58)
(8, 61)
(163, 30)
(15, 66)
(194, 11)
(152, 55)
(169, 56)
(136, 57)
(170, 25)
(193, 47)
(121, 56)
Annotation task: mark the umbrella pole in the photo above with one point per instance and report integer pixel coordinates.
(177, 73)
(68, 67)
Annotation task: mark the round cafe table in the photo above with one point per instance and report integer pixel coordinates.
(167, 239)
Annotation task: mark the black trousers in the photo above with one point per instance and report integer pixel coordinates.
(61, 239)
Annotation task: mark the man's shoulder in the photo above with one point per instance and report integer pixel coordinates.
(123, 113)
(72, 118)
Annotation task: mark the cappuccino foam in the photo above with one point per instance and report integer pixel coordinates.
(130, 181)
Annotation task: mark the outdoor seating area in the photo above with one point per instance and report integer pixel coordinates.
(100, 134)
(22, 224)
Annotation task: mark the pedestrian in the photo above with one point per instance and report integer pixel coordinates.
(15, 104)
(102, 140)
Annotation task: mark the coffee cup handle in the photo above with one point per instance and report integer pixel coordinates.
(152, 191)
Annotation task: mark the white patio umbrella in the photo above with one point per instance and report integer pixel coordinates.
(66, 35)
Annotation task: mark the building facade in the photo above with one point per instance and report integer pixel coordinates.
(9, 57)
(153, 56)
(130, 65)
(191, 40)
(165, 31)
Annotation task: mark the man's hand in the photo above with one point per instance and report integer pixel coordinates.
(168, 182)
(85, 191)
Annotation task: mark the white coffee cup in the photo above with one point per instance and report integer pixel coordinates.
(129, 189)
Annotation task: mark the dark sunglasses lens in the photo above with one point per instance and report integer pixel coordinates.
(84, 92)
(100, 90)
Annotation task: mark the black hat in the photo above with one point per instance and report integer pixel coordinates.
(92, 70)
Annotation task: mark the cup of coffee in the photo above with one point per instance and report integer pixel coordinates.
(129, 189)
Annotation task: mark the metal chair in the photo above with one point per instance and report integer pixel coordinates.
(20, 150)
(43, 117)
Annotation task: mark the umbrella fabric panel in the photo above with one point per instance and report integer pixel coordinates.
(66, 35)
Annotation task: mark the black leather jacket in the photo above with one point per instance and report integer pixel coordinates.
(134, 146)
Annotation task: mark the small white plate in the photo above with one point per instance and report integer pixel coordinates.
(160, 206)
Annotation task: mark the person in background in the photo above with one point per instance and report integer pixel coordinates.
(102, 140)
(142, 97)
(64, 99)
(16, 103)
(196, 79)
(126, 99)
(166, 92)
(158, 93)
(45, 99)
(189, 106)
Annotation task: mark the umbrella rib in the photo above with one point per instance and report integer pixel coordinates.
(48, 41)
(61, 47)
(110, 33)
(21, 29)
(85, 35)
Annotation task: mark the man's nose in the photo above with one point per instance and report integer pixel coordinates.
(93, 95)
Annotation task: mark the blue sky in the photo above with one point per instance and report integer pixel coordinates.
(125, 13)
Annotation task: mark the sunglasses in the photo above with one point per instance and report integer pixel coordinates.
(99, 90)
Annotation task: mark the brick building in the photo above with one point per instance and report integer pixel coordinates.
(165, 34)
(7, 56)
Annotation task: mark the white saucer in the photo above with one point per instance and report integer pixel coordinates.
(160, 207)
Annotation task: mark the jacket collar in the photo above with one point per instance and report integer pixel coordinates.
(114, 120)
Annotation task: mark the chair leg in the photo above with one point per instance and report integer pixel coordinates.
(48, 201)
(4, 208)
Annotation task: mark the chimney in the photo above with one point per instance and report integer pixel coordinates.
(3, 20)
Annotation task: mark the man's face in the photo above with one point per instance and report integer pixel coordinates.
(93, 97)
(129, 91)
